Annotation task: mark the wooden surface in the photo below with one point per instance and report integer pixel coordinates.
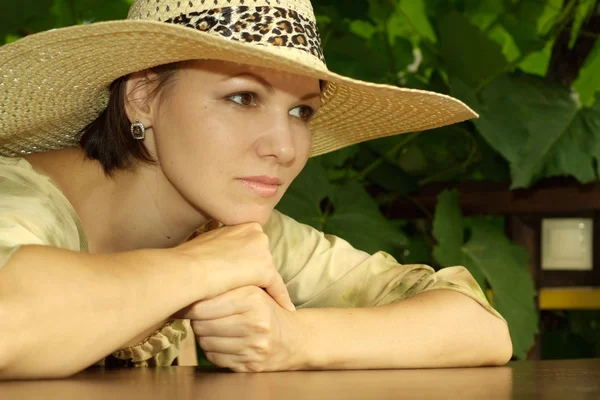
(564, 379)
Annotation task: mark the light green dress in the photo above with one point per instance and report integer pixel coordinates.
(319, 270)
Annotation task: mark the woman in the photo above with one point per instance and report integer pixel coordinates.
(121, 139)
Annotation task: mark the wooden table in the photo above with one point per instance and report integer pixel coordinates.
(565, 379)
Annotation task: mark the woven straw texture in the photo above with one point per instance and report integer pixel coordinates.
(54, 83)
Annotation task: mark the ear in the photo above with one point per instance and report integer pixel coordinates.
(139, 102)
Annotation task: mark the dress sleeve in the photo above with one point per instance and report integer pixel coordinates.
(33, 211)
(326, 271)
(158, 350)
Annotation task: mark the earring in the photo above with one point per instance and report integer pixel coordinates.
(138, 130)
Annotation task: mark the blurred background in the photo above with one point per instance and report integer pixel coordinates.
(514, 196)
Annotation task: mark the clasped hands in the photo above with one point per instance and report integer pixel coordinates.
(245, 319)
(245, 330)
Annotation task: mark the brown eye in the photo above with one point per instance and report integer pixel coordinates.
(244, 99)
(303, 112)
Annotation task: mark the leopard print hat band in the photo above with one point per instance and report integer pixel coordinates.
(54, 83)
(262, 25)
(286, 23)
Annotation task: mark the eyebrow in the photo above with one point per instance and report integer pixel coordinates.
(268, 86)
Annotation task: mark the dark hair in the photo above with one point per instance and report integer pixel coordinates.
(108, 138)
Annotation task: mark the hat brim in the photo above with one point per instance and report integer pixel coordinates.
(54, 83)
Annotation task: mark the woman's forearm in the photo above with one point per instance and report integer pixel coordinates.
(62, 311)
(434, 329)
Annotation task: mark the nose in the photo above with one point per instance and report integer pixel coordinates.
(277, 140)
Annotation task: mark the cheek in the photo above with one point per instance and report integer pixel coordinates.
(303, 145)
(196, 136)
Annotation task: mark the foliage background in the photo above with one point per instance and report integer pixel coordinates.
(528, 67)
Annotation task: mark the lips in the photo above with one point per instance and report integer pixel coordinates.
(267, 180)
(264, 186)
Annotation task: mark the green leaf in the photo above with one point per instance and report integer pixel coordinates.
(538, 127)
(462, 46)
(537, 62)
(505, 266)
(302, 201)
(380, 10)
(501, 36)
(521, 23)
(24, 17)
(584, 10)
(347, 9)
(392, 178)
(549, 16)
(402, 52)
(417, 251)
(448, 229)
(483, 14)
(441, 7)
(103, 10)
(345, 49)
(491, 165)
(412, 160)
(499, 119)
(441, 154)
(528, 20)
(588, 81)
(64, 11)
(415, 14)
(363, 29)
(11, 38)
(339, 157)
(355, 216)
(491, 258)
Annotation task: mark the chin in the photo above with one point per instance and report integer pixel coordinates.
(244, 215)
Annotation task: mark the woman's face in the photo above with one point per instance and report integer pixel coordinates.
(231, 138)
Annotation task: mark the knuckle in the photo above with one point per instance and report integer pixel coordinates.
(255, 367)
(263, 240)
(194, 310)
(251, 293)
(262, 327)
(196, 327)
(255, 226)
(262, 347)
(202, 341)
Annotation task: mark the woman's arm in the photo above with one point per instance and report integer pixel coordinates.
(245, 330)
(61, 311)
(355, 311)
(434, 329)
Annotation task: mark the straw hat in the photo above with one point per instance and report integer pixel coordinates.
(54, 83)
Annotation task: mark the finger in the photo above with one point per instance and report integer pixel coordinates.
(231, 361)
(278, 291)
(224, 345)
(231, 326)
(221, 306)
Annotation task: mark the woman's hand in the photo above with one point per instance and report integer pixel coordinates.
(247, 331)
(232, 257)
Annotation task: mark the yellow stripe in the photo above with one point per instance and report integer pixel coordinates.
(570, 299)
(564, 298)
